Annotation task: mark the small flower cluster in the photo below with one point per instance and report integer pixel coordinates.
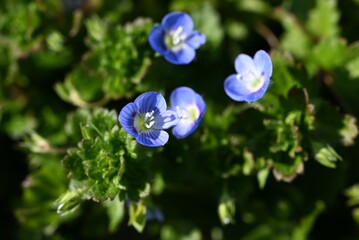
(148, 117)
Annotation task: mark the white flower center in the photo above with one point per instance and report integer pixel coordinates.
(252, 80)
(174, 39)
(143, 122)
(191, 112)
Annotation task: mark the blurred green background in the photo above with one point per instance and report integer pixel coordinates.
(284, 167)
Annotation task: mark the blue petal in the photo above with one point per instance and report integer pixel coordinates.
(201, 106)
(153, 138)
(185, 97)
(174, 20)
(196, 39)
(182, 56)
(154, 214)
(166, 120)
(263, 63)
(244, 63)
(156, 39)
(235, 89)
(151, 101)
(259, 94)
(182, 97)
(127, 117)
(184, 128)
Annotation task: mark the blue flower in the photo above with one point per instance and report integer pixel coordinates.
(190, 108)
(175, 39)
(252, 78)
(146, 118)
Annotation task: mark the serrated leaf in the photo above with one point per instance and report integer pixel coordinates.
(73, 163)
(288, 169)
(284, 76)
(285, 133)
(73, 128)
(113, 67)
(96, 28)
(295, 39)
(330, 59)
(106, 160)
(323, 19)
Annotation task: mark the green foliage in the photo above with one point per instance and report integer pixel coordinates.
(106, 161)
(278, 168)
(114, 66)
(46, 183)
(137, 217)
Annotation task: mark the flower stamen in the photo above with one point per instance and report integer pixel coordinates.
(178, 36)
(149, 119)
(174, 39)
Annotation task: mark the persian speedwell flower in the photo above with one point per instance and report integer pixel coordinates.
(175, 39)
(146, 119)
(190, 108)
(252, 78)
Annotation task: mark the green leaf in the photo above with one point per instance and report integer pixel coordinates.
(295, 39)
(326, 155)
(288, 169)
(55, 41)
(352, 193)
(106, 161)
(248, 164)
(302, 230)
(285, 77)
(262, 177)
(352, 64)
(96, 28)
(226, 209)
(69, 202)
(181, 231)
(115, 64)
(286, 134)
(137, 214)
(207, 21)
(40, 191)
(20, 124)
(353, 67)
(257, 6)
(82, 86)
(333, 58)
(323, 19)
(115, 212)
